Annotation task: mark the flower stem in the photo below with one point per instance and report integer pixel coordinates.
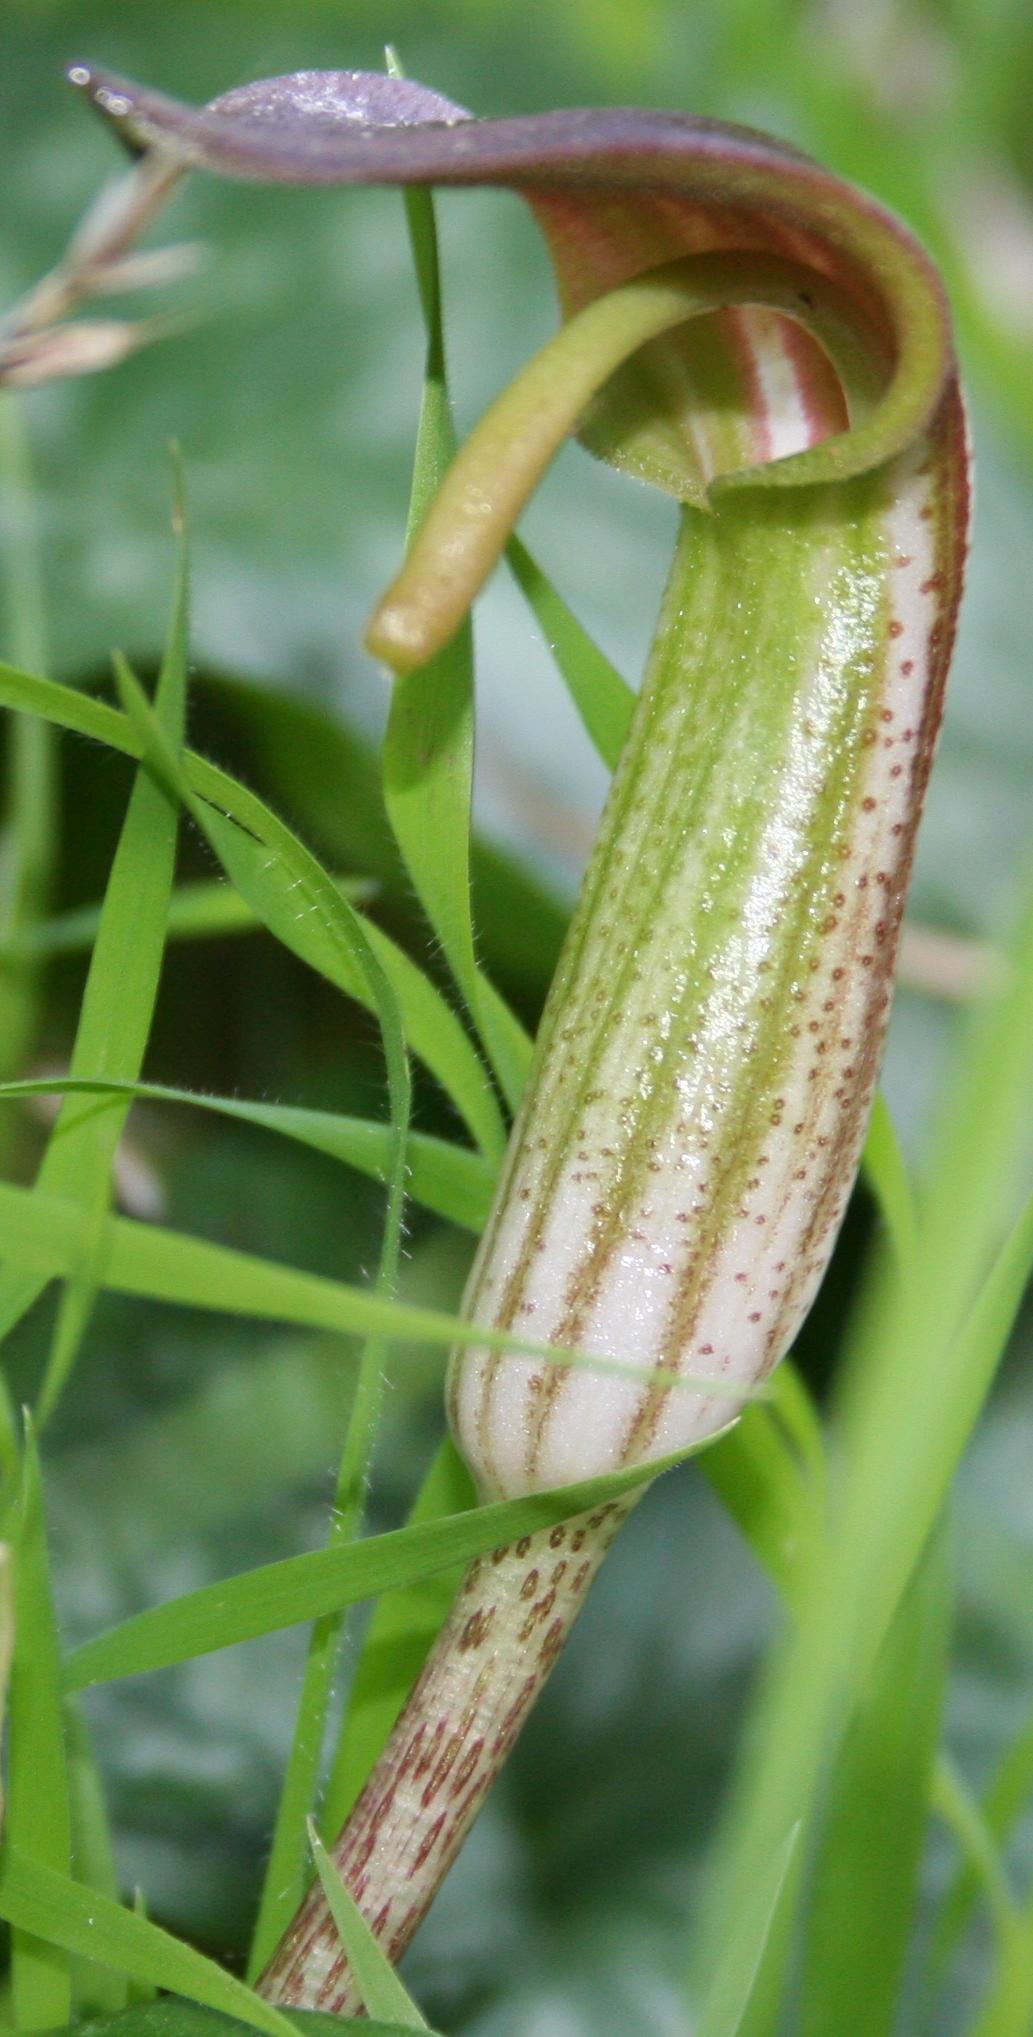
(505, 1632)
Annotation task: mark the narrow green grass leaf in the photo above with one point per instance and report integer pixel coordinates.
(206, 910)
(303, 1588)
(46, 1234)
(979, 1834)
(886, 1173)
(172, 2017)
(38, 1807)
(296, 899)
(383, 1994)
(728, 2000)
(428, 746)
(866, 1875)
(270, 1419)
(115, 1019)
(286, 1878)
(1008, 2009)
(793, 1408)
(6, 1641)
(759, 1480)
(396, 1645)
(141, 1992)
(603, 699)
(432, 1028)
(63, 1913)
(30, 802)
(434, 1033)
(97, 1990)
(454, 1181)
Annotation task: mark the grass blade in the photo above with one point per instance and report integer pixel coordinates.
(886, 1173)
(298, 901)
(428, 747)
(285, 1878)
(46, 1235)
(169, 2016)
(63, 1913)
(729, 1999)
(866, 1875)
(38, 1807)
(303, 1588)
(206, 910)
(759, 1480)
(142, 1993)
(603, 699)
(397, 1642)
(98, 1990)
(31, 807)
(454, 1181)
(322, 932)
(982, 1872)
(382, 1992)
(432, 1028)
(6, 1642)
(325, 931)
(1008, 2010)
(115, 1020)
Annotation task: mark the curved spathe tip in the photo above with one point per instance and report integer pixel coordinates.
(616, 190)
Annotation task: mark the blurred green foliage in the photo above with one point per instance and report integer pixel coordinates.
(294, 393)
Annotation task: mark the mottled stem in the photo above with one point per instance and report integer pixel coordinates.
(506, 1631)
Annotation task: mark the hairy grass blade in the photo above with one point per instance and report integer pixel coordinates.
(432, 1028)
(603, 699)
(397, 1642)
(428, 748)
(115, 1020)
(324, 930)
(452, 1180)
(46, 1234)
(382, 1992)
(62, 1913)
(304, 1587)
(205, 910)
(168, 2016)
(38, 1806)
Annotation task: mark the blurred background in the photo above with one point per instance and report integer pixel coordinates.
(294, 391)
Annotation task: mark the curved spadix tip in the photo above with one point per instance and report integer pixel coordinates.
(399, 636)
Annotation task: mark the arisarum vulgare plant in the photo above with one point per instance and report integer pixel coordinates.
(771, 347)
